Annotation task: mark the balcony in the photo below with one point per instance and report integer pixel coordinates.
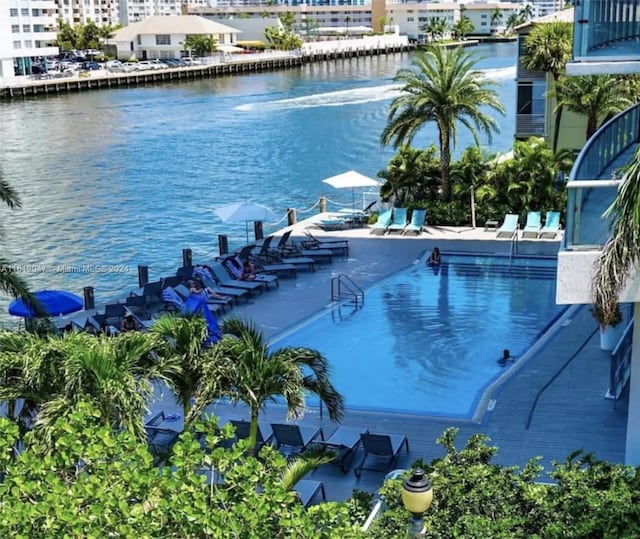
(592, 187)
(606, 37)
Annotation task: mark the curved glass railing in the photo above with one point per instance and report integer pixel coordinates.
(608, 28)
(594, 179)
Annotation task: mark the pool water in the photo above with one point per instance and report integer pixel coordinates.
(427, 340)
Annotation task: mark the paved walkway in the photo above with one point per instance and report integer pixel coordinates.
(522, 421)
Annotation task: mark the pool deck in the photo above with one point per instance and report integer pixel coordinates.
(571, 413)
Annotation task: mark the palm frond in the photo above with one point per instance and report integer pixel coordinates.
(300, 466)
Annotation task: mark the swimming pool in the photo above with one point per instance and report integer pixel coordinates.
(427, 341)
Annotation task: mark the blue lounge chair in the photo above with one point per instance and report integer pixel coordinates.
(533, 225)
(384, 220)
(551, 225)
(510, 226)
(295, 438)
(399, 220)
(417, 222)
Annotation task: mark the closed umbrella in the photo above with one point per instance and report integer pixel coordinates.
(54, 303)
(244, 212)
(351, 179)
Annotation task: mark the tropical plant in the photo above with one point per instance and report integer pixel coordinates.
(548, 48)
(468, 174)
(288, 19)
(620, 255)
(598, 97)
(200, 45)
(496, 18)
(53, 373)
(411, 175)
(436, 28)
(282, 39)
(526, 13)
(92, 481)
(245, 370)
(444, 88)
(347, 20)
(181, 342)
(309, 25)
(513, 20)
(462, 28)
(11, 282)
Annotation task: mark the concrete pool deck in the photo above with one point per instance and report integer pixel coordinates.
(570, 414)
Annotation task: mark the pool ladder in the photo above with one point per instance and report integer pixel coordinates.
(343, 288)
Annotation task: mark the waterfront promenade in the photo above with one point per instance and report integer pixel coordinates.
(222, 64)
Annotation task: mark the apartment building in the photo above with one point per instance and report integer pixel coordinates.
(101, 12)
(606, 39)
(27, 33)
(131, 11)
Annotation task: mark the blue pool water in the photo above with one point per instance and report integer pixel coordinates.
(428, 342)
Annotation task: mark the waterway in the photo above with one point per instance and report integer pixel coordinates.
(115, 178)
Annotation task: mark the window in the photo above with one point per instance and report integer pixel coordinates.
(483, 16)
(13, 12)
(139, 40)
(24, 12)
(163, 39)
(531, 98)
(409, 19)
(28, 44)
(26, 28)
(17, 45)
(15, 28)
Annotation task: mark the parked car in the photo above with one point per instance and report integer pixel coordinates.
(192, 61)
(145, 65)
(91, 65)
(128, 67)
(113, 63)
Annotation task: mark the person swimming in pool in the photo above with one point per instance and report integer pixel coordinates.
(506, 358)
(434, 257)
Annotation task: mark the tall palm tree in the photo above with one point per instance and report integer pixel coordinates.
(10, 282)
(548, 48)
(621, 253)
(444, 88)
(598, 97)
(496, 17)
(54, 373)
(245, 370)
(181, 342)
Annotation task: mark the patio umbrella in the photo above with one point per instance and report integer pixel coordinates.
(243, 212)
(351, 179)
(54, 302)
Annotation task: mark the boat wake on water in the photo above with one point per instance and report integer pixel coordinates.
(355, 96)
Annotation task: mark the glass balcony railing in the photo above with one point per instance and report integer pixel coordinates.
(606, 29)
(594, 180)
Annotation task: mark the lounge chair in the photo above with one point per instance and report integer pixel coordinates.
(551, 225)
(533, 226)
(236, 293)
(339, 246)
(510, 226)
(417, 222)
(380, 226)
(265, 434)
(344, 441)
(225, 279)
(336, 223)
(184, 293)
(160, 438)
(398, 221)
(294, 437)
(306, 490)
(234, 265)
(381, 446)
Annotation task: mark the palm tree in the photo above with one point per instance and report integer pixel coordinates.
(496, 17)
(10, 282)
(245, 370)
(619, 257)
(526, 13)
(462, 28)
(444, 89)
(55, 372)
(182, 343)
(513, 20)
(548, 48)
(598, 97)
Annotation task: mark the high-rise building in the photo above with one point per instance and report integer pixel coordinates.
(102, 12)
(606, 40)
(27, 34)
(137, 10)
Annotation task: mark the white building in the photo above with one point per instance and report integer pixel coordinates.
(137, 10)
(27, 33)
(546, 7)
(163, 37)
(101, 12)
(482, 16)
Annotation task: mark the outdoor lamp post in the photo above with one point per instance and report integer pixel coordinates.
(416, 498)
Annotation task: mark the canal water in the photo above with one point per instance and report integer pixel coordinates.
(115, 178)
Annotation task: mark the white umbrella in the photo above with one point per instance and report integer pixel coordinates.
(243, 212)
(351, 179)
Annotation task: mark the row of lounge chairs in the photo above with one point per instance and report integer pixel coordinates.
(396, 220)
(346, 218)
(533, 228)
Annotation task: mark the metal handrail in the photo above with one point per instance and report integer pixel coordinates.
(353, 291)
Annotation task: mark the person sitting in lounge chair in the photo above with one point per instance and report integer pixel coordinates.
(197, 288)
(248, 271)
(129, 323)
